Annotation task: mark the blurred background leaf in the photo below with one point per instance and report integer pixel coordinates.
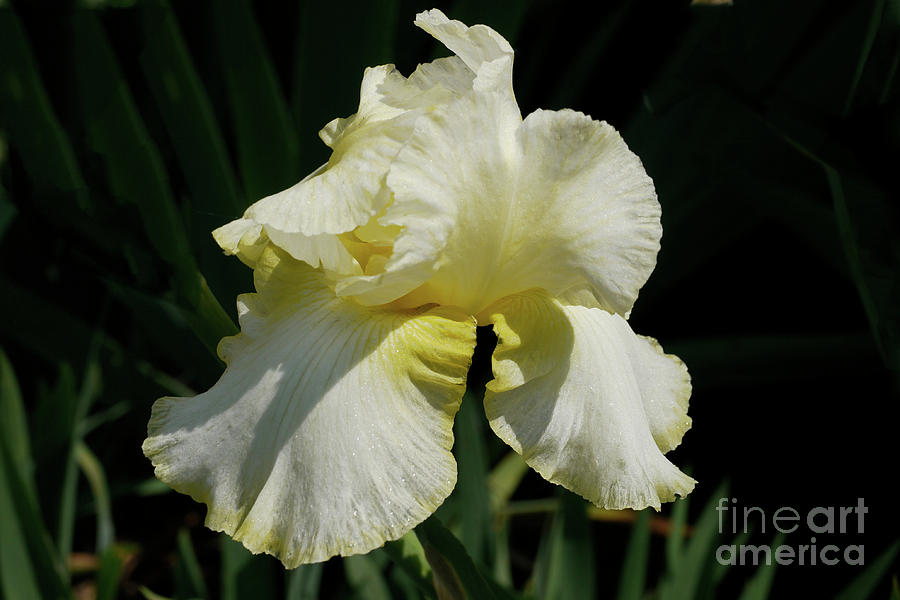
(129, 129)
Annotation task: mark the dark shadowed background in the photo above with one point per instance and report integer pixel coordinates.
(130, 130)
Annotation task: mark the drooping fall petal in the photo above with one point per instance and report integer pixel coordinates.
(582, 399)
(330, 430)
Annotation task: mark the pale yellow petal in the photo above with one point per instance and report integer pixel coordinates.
(491, 205)
(476, 45)
(665, 390)
(451, 199)
(597, 209)
(577, 393)
(330, 430)
(244, 238)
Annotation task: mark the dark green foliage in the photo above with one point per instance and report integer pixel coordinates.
(129, 130)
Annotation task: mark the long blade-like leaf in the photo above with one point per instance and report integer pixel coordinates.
(409, 555)
(189, 582)
(633, 577)
(29, 566)
(328, 68)
(93, 471)
(366, 577)
(453, 567)
(245, 575)
(693, 564)
(136, 174)
(264, 131)
(19, 576)
(7, 210)
(303, 582)
(759, 586)
(571, 572)
(28, 117)
(471, 491)
(866, 582)
(196, 139)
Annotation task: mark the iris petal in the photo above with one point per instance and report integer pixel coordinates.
(491, 205)
(475, 46)
(571, 393)
(330, 430)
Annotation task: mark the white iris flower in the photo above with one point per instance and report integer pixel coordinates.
(440, 209)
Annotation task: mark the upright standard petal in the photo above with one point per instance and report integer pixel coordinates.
(583, 399)
(342, 194)
(597, 209)
(476, 46)
(451, 192)
(347, 192)
(330, 430)
(491, 205)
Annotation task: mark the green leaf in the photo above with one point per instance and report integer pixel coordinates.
(150, 595)
(105, 416)
(29, 566)
(365, 577)
(867, 224)
(758, 586)
(633, 576)
(409, 555)
(57, 413)
(143, 488)
(505, 478)
(245, 575)
(264, 132)
(28, 117)
(801, 212)
(404, 587)
(135, 172)
(7, 209)
(471, 492)
(865, 49)
(328, 68)
(110, 573)
(188, 116)
(719, 570)
(198, 143)
(189, 582)
(115, 131)
(167, 326)
(675, 539)
(303, 582)
(18, 576)
(56, 336)
(93, 472)
(13, 424)
(866, 582)
(570, 569)
(203, 312)
(692, 567)
(60, 414)
(502, 564)
(454, 571)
